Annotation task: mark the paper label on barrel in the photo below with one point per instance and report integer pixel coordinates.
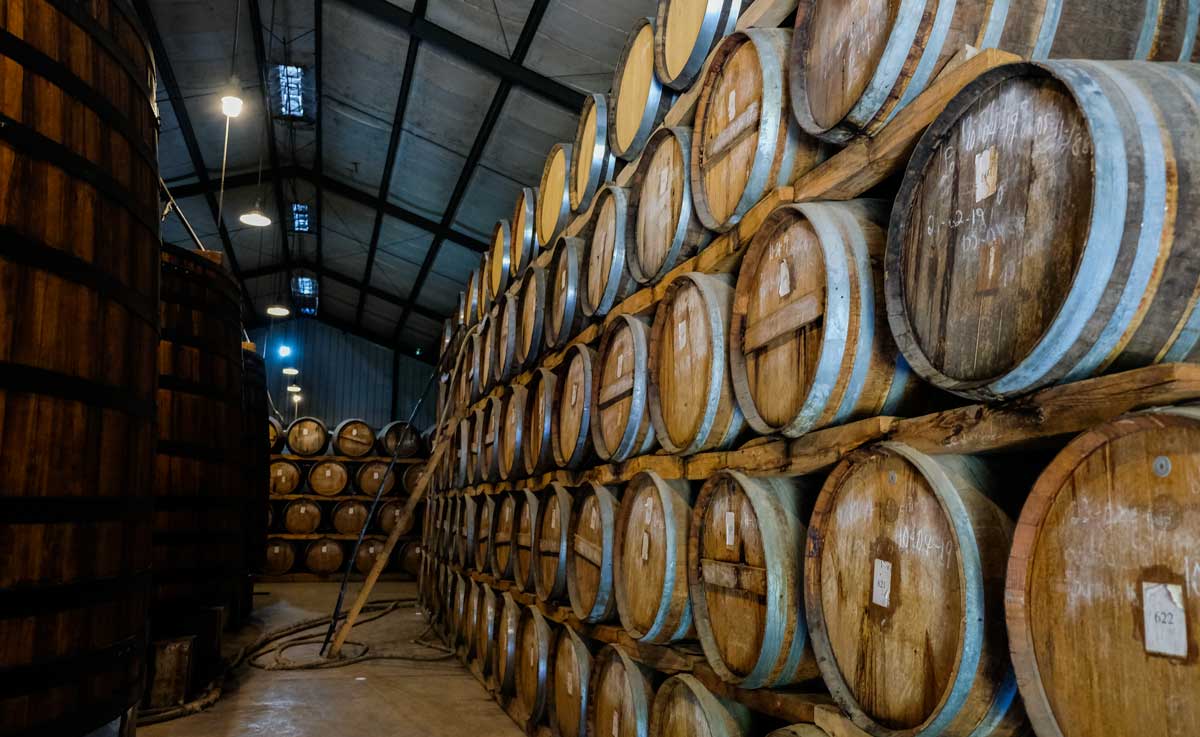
(620, 365)
(1164, 619)
(280, 473)
(303, 510)
(354, 432)
(594, 519)
(304, 431)
(730, 526)
(881, 584)
(785, 279)
(375, 475)
(731, 104)
(276, 548)
(324, 548)
(328, 472)
(681, 333)
(570, 683)
(616, 725)
(987, 173)
(350, 511)
(574, 393)
(649, 505)
(645, 544)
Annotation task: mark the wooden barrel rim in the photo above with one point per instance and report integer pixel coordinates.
(568, 256)
(524, 580)
(566, 637)
(726, 718)
(501, 254)
(771, 67)
(636, 696)
(556, 589)
(656, 102)
(545, 382)
(564, 208)
(605, 602)
(533, 287)
(506, 365)
(624, 236)
(503, 499)
(524, 244)
(510, 618)
(494, 421)
(485, 525)
(596, 157)
(638, 392)
(544, 640)
(720, 19)
(683, 136)
(579, 449)
(485, 630)
(514, 433)
(971, 584)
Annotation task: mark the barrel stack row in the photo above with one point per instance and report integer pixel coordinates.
(325, 556)
(1040, 235)
(353, 438)
(330, 478)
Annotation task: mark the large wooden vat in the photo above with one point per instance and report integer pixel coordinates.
(554, 197)
(684, 34)
(1074, 256)
(590, 553)
(744, 574)
(639, 101)
(551, 543)
(684, 707)
(1103, 581)
(79, 274)
(620, 411)
(573, 400)
(856, 65)
(606, 276)
(809, 345)
(593, 163)
(906, 547)
(534, 643)
(666, 229)
(650, 558)
(571, 666)
(621, 692)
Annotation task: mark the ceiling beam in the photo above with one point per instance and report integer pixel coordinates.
(534, 20)
(349, 281)
(389, 161)
(328, 184)
(509, 69)
(319, 155)
(167, 73)
(260, 58)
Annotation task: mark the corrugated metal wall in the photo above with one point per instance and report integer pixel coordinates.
(341, 375)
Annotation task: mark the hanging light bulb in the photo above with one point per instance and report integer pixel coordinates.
(289, 371)
(256, 218)
(231, 98)
(278, 310)
(294, 388)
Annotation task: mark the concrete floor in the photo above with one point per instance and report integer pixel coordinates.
(381, 698)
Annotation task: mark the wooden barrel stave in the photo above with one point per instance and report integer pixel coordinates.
(685, 31)
(275, 434)
(593, 163)
(390, 514)
(508, 628)
(372, 476)
(539, 425)
(504, 525)
(620, 423)
(620, 694)
(285, 477)
(354, 438)
(402, 434)
(552, 525)
(512, 433)
(485, 630)
(507, 329)
(485, 527)
(554, 197)
(324, 556)
(349, 517)
(590, 540)
(531, 330)
(572, 444)
(564, 310)
(606, 277)
(281, 557)
(525, 244)
(639, 101)
(500, 262)
(524, 554)
(684, 707)
(571, 666)
(667, 230)
(534, 643)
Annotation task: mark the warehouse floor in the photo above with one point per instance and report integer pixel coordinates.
(392, 698)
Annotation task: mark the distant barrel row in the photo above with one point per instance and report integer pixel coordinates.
(327, 556)
(309, 436)
(330, 477)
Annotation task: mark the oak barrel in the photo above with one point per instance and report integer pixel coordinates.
(1103, 589)
(531, 327)
(410, 475)
(902, 548)
(539, 421)
(809, 345)
(285, 477)
(551, 525)
(573, 400)
(504, 527)
(685, 31)
(525, 244)
(667, 230)
(472, 293)
(524, 553)
(328, 478)
(493, 426)
(620, 694)
(485, 629)
(745, 143)
(505, 363)
(475, 441)
(281, 557)
(856, 65)
(590, 553)
(508, 627)
(744, 576)
(606, 276)
(692, 404)
(354, 438)
(349, 517)
(534, 643)
(554, 197)
(593, 163)
(570, 669)
(620, 421)
(564, 310)
(390, 514)
(512, 432)
(275, 434)
(639, 101)
(485, 513)
(371, 549)
(373, 475)
(650, 559)
(399, 434)
(1072, 257)
(487, 350)
(684, 707)
(301, 517)
(307, 436)
(499, 260)
(324, 556)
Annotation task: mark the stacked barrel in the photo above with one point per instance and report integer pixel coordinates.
(1041, 235)
(324, 484)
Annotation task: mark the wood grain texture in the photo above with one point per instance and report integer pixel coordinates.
(281, 557)
(285, 477)
(621, 694)
(564, 310)
(590, 540)
(531, 329)
(639, 101)
(513, 432)
(551, 543)
(539, 421)
(571, 669)
(507, 632)
(301, 517)
(593, 163)
(525, 243)
(524, 553)
(606, 276)
(391, 515)
(621, 425)
(307, 436)
(500, 259)
(349, 517)
(685, 32)
(324, 556)
(328, 478)
(575, 408)
(354, 438)
(684, 707)
(553, 193)
(504, 528)
(372, 475)
(534, 644)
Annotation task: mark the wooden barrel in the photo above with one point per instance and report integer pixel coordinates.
(570, 669)
(512, 433)
(399, 434)
(499, 259)
(470, 619)
(460, 311)
(410, 476)
(504, 527)
(745, 143)
(281, 556)
(390, 514)
(489, 437)
(639, 101)
(328, 478)
(666, 230)
(285, 477)
(79, 253)
(744, 574)
(485, 527)
(525, 244)
(373, 475)
(408, 558)
(507, 333)
(620, 694)
(459, 607)
(324, 556)
(904, 548)
(684, 707)
(554, 197)
(808, 345)
(590, 553)
(607, 280)
(895, 60)
(692, 404)
(200, 485)
(650, 579)
(475, 347)
(508, 628)
(523, 551)
(593, 164)
(475, 446)
(464, 444)
(1099, 279)
(531, 327)
(467, 532)
(550, 526)
(371, 549)
(572, 424)
(275, 434)
(539, 421)
(685, 31)
(1104, 552)
(472, 303)
(354, 438)
(301, 517)
(620, 421)
(564, 316)
(349, 517)
(534, 643)
(307, 436)
(487, 346)
(485, 629)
